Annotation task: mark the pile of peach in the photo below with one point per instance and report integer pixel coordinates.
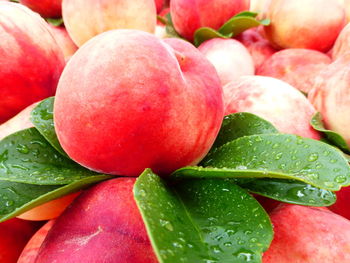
(134, 92)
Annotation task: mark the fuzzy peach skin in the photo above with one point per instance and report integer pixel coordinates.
(308, 235)
(159, 5)
(30, 251)
(331, 96)
(19, 122)
(342, 43)
(30, 60)
(304, 23)
(102, 225)
(14, 235)
(296, 66)
(46, 8)
(259, 48)
(230, 58)
(342, 205)
(63, 40)
(188, 16)
(143, 102)
(274, 100)
(85, 19)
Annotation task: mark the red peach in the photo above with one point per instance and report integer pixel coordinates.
(308, 235)
(342, 43)
(46, 8)
(298, 23)
(103, 225)
(136, 113)
(19, 122)
(258, 47)
(342, 205)
(100, 16)
(230, 58)
(14, 234)
(296, 66)
(30, 251)
(188, 16)
(274, 100)
(159, 5)
(331, 96)
(27, 78)
(63, 40)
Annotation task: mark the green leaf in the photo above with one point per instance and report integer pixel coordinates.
(55, 21)
(17, 198)
(42, 118)
(205, 33)
(290, 191)
(202, 220)
(331, 136)
(26, 157)
(233, 27)
(282, 156)
(242, 124)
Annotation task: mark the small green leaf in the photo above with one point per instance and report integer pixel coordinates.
(290, 191)
(26, 157)
(202, 220)
(17, 198)
(42, 118)
(205, 33)
(233, 27)
(332, 137)
(169, 27)
(55, 21)
(282, 156)
(242, 124)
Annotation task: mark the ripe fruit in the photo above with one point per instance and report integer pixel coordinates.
(229, 57)
(46, 8)
(298, 23)
(137, 114)
(102, 225)
(100, 16)
(33, 77)
(274, 100)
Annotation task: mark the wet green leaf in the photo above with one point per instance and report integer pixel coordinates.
(282, 156)
(17, 198)
(331, 136)
(55, 21)
(241, 124)
(290, 191)
(202, 220)
(42, 118)
(26, 157)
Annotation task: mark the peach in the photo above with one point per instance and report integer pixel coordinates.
(148, 103)
(46, 8)
(331, 96)
(49, 210)
(308, 235)
(100, 16)
(342, 43)
(159, 5)
(27, 78)
(63, 40)
(296, 66)
(274, 100)
(103, 225)
(14, 234)
(230, 58)
(30, 251)
(20, 122)
(342, 205)
(298, 23)
(188, 16)
(259, 48)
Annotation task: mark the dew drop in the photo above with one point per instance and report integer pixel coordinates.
(21, 148)
(341, 179)
(312, 157)
(166, 224)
